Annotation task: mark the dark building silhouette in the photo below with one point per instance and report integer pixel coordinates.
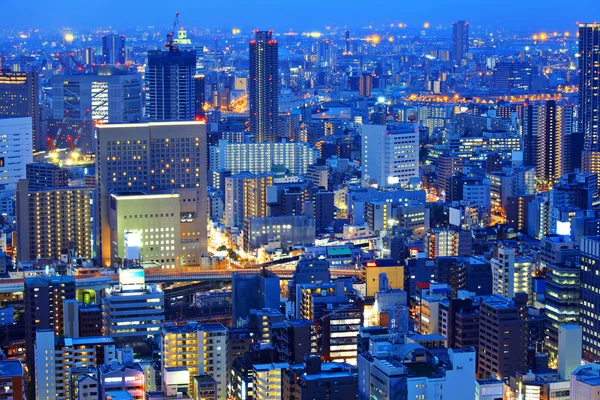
(460, 40)
(113, 49)
(263, 94)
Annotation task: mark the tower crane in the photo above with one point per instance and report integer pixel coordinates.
(171, 45)
(73, 142)
(52, 142)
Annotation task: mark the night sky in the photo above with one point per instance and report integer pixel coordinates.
(300, 14)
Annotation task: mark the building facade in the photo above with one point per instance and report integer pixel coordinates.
(263, 90)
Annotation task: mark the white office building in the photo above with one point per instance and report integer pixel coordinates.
(390, 154)
(15, 152)
(511, 274)
(55, 357)
(132, 309)
(259, 158)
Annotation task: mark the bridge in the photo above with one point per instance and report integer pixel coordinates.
(157, 276)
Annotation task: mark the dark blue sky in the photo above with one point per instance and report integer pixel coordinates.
(301, 14)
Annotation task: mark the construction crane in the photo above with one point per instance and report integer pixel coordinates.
(171, 45)
(73, 142)
(52, 142)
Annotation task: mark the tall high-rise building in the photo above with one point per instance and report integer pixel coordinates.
(460, 40)
(43, 302)
(154, 158)
(544, 129)
(19, 97)
(390, 154)
(365, 84)
(113, 49)
(171, 86)
(200, 84)
(245, 197)
(515, 76)
(511, 273)
(15, 152)
(589, 95)
(503, 337)
(563, 285)
(66, 212)
(46, 176)
(263, 95)
(199, 349)
(589, 315)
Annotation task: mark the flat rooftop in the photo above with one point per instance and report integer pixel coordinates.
(9, 368)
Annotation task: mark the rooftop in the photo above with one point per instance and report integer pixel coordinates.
(10, 368)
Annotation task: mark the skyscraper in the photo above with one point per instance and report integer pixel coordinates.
(154, 158)
(112, 95)
(15, 152)
(460, 40)
(264, 87)
(589, 95)
(545, 127)
(390, 154)
(66, 211)
(19, 97)
(171, 86)
(113, 49)
(43, 301)
(589, 316)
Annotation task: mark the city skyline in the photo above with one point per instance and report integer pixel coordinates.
(268, 14)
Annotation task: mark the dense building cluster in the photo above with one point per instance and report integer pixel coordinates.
(382, 213)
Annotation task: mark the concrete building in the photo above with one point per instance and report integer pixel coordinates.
(46, 176)
(133, 310)
(44, 308)
(160, 157)
(390, 154)
(245, 197)
(12, 380)
(267, 383)
(589, 316)
(489, 389)
(66, 211)
(287, 229)
(56, 356)
(145, 227)
(259, 158)
(199, 350)
(338, 314)
(448, 165)
(19, 97)
(115, 377)
(373, 269)
(511, 274)
(171, 87)
(253, 292)
(205, 388)
(503, 337)
(16, 152)
(263, 88)
(113, 49)
(318, 175)
(589, 89)
(315, 379)
(562, 299)
(585, 382)
(111, 95)
(403, 371)
(440, 242)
